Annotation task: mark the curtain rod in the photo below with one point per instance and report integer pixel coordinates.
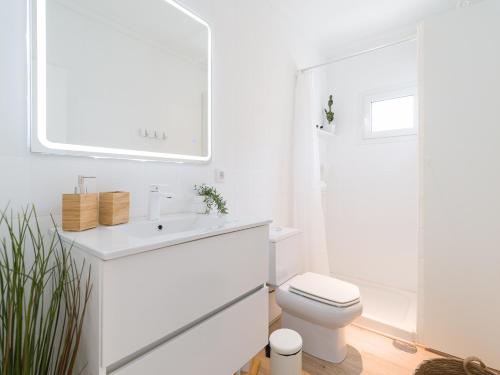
(401, 41)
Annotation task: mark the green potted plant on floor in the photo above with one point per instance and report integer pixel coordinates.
(44, 297)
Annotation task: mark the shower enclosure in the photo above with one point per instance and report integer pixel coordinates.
(369, 173)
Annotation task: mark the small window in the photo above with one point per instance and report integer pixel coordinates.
(391, 114)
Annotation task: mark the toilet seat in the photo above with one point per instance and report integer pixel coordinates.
(315, 311)
(325, 289)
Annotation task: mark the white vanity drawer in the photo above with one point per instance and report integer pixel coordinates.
(148, 296)
(218, 346)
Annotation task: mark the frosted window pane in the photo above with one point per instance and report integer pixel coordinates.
(393, 114)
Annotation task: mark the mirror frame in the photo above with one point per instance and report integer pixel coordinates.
(37, 86)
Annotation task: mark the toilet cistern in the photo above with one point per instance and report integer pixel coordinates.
(154, 201)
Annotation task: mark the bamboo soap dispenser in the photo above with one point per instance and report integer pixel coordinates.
(80, 210)
(114, 207)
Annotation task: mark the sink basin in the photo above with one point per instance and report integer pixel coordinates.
(170, 225)
(111, 242)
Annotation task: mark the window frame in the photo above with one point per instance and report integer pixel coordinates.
(389, 94)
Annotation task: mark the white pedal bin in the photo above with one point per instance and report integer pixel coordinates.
(286, 352)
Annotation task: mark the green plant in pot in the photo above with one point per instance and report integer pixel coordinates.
(212, 199)
(44, 297)
(329, 113)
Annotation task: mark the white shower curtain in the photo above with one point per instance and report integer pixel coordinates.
(308, 213)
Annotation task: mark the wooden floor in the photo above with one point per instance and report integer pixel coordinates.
(368, 354)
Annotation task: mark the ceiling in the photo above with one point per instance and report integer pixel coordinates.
(321, 29)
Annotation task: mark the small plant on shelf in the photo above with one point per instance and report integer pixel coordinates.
(212, 198)
(43, 301)
(329, 113)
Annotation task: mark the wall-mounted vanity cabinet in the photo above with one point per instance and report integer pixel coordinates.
(187, 302)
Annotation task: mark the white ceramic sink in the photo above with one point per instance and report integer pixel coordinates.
(142, 235)
(172, 224)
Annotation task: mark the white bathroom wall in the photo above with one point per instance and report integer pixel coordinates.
(253, 79)
(371, 197)
(460, 182)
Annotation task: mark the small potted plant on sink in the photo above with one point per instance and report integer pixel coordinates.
(211, 199)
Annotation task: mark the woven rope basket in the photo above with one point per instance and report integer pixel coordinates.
(451, 366)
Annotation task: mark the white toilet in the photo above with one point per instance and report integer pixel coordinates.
(317, 307)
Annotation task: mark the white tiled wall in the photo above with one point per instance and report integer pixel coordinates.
(372, 196)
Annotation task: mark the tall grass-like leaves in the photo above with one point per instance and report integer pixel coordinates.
(44, 297)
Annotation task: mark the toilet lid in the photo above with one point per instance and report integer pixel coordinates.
(325, 289)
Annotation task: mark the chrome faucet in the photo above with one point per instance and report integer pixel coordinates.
(154, 206)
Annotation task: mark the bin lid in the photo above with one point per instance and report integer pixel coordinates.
(285, 341)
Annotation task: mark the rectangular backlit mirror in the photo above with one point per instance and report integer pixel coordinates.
(120, 78)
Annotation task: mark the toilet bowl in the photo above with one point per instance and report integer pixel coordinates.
(320, 319)
(318, 307)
